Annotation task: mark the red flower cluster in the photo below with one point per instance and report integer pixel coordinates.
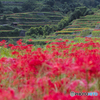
(51, 73)
(96, 30)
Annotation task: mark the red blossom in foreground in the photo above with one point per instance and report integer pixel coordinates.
(60, 96)
(15, 53)
(30, 40)
(10, 45)
(8, 94)
(50, 73)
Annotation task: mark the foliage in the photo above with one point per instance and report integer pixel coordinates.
(47, 30)
(49, 2)
(85, 33)
(37, 31)
(16, 10)
(1, 5)
(63, 23)
(11, 41)
(64, 6)
(4, 18)
(98, 6)
(96, 33)
(29, 5)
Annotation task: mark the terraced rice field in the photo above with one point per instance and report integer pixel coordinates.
(34, 19)
(89, 21)
(83, 23)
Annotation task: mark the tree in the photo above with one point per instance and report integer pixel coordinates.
(1, 6)
(49, 2)
(35, 31)
(28, 5)
(47, 30)
(15, 10)
(40, 30)
(98, 6)
(82, 9)
(4, 18)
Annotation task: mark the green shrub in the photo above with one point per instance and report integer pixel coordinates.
(85, 33)
(35, 31)
(4, 18)
(96, 33)
(11, 41)
(16, 10)
(98, 6)
(79, 40)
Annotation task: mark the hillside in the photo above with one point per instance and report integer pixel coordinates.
(44, 17)
(33, 19)
(46, 5)
(49, 50)
(83, 26)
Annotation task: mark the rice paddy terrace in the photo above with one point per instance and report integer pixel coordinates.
(28, 19)
(25, 20)
(88, 22)
(34, 19)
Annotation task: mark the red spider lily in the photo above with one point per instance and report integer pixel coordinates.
(35, 62)
(19, 42)
(67, 40)
(51, 73)
(30, 40)
(72, 41)
(15, 53)
(47, 41)
(2, 42)
(96, 30)
(5, 46)
(8, 94)
(10, 45)
(98, 22)
(56, 96)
